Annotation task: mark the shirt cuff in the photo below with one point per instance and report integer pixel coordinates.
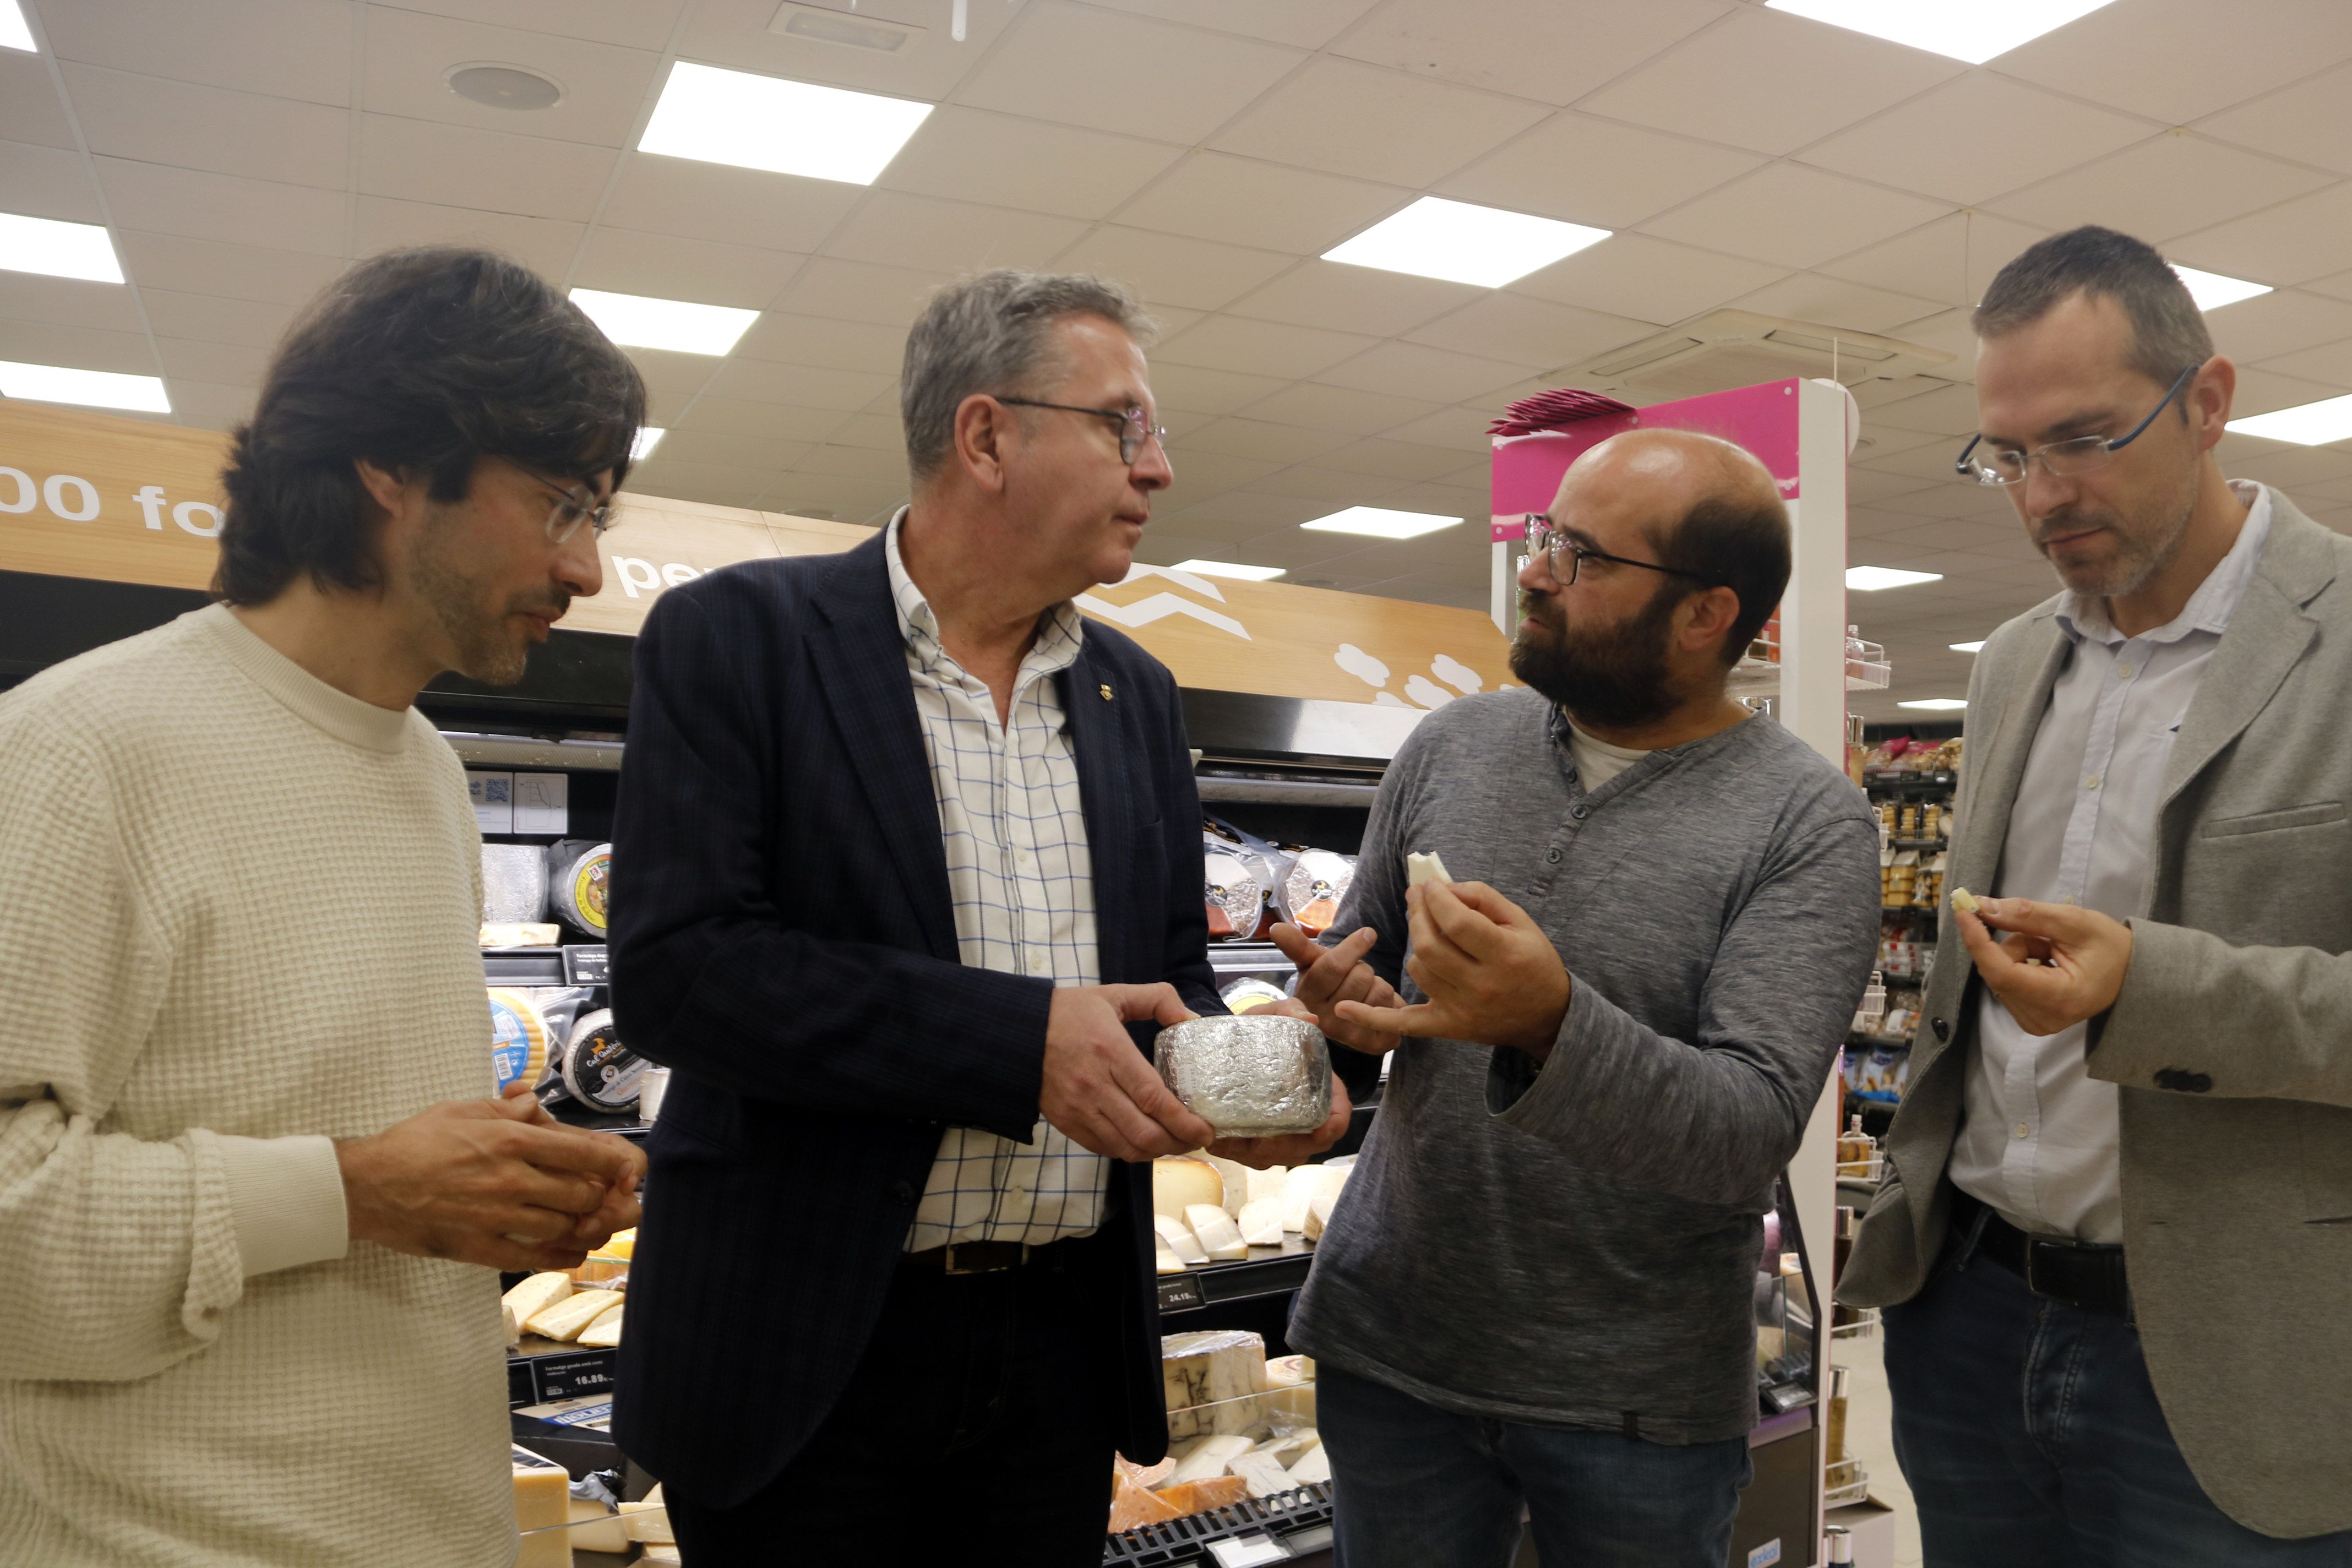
(286, 1195)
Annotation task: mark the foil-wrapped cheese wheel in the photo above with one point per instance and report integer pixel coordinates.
(1249, 1076)
(514, 884)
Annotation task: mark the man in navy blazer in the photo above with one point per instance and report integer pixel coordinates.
(908, 870)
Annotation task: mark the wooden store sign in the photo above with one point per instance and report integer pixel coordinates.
(87, 495)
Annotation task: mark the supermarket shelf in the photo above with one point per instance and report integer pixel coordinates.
(1892, 1042)
(1909, 778)
(1249, 958)
(1283, 1515)
(1266, 1271)
(1903, 843)
(541, 1371)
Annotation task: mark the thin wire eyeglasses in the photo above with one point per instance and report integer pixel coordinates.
(1545, 538)
(2061, 460)
(563, 519)
(1135, 427)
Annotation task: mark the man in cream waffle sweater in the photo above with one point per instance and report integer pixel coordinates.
(253, 1191)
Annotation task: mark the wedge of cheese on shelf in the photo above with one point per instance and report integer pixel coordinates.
(648, 1521)
(1319, 1217)
(1166, 1262)
(1219, 1237)
(565, 1317)
(512, 1324)
(1212, 1458)
(596, 1528)
(535, 1295)
(1420, 868)
(604, 1331)
(624, 1245)
(1145, 1476)
(1203, 1374)
(660, 1557)
(1306, 1183)
(1133, 1505)
(542, 1502)
(1289, 1371)
(1180, 1181)
(1201, 1496)
(1315, 1465)
(1289, 1447)
(1177, 1238)
(1260, 1223)
(1262, 1473)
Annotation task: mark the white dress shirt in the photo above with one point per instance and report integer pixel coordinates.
(2038, 1142)
(1023, 881)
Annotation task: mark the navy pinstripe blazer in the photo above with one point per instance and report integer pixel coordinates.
(782, 937)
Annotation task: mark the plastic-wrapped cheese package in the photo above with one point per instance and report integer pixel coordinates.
(598, 1070)
(519, 1037)
(1233, 897)
(579, 878)
(1248, 994)
(1209, 1377)
(514, 884)
(1312, 893)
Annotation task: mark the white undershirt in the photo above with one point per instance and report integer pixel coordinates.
(1598, 762)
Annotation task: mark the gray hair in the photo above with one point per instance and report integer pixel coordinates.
(992, 333)
(2168, 331)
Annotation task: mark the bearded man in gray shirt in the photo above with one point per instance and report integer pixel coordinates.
(1537, 1289)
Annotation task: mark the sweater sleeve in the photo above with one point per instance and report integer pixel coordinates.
(123, 1252)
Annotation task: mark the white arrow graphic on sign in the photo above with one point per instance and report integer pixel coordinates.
(1143, 612)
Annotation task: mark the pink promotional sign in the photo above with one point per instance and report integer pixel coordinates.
(1528, 468)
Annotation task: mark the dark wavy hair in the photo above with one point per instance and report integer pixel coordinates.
(421, 361)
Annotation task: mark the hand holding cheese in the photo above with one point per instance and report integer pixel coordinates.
(2056, 966)
(1098, 1089)
(1492, 976)
(1329, 975)
(1295, 1148)
(479, 1181)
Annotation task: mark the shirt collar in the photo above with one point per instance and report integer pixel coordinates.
(1061, 630)
(2210, 607)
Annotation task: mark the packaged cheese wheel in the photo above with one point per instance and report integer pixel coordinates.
(1312, 893)
(601, 1072)
(514, 884)
(1248, 994)
(519, 1037)
(579, 875)
(1235, 897)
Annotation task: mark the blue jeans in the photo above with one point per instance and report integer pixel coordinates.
(1417, 1486)
(2031, 1438)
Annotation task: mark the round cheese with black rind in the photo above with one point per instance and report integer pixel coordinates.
(579, 880)
(519, 1037)
(601, 1072)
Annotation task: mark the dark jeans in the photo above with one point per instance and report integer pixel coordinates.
(973, 1431)
(1418, 1487)
(2031, 1438)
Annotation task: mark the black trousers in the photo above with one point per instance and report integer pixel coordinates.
(976, 1430)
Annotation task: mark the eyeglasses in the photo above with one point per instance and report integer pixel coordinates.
(563, 519)
(1135, 427)
(2061, 459)
(1545, 538)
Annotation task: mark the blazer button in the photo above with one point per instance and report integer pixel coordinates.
(1943, 1029)
(903, 1193)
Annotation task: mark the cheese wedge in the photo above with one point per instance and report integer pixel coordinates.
(513, 1325)
(595, 1528)
(1179, 1182)
(660, 1557)
(1319, 1217)
(542, 1501)
(1260, 1223)
(536, 1294)
(1133, 1505)
(567, 1317)
(622, 1245)
(1315, 1465)
(1235, 1176)
(1262, 1474)
(1201, 1496)
(1212, 1458)
(1289, 1371)
(606, 1331)
(1207, 1379)
(647, 1520)
(1264, 1186)
(1290, 1447)
(1420, 868)
(1144, 1475)
(1964, 900)
(1176, 1237)
(1166, 1262)
(1219, 1237)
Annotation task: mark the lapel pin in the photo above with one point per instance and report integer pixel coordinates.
(1106, 691)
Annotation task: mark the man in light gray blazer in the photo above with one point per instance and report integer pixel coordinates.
(2114, 1239)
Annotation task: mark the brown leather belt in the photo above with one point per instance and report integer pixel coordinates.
(2079, 1273)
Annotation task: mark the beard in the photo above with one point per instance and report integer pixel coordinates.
(2141, 551)
(475, 613)
(1606, 677)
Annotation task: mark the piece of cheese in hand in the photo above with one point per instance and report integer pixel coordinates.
(1315, 1465)
(605, 1331)
(1964, 900)
(1176, 1237)
(1178, 1181)
(1212, 1458)
(536, 1294)
(1219, 1237)
(1420, 868)
(1260, 1223)
(566, 1317)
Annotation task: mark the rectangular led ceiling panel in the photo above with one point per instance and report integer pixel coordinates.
(1465, 244)
(638, 321)
(784, 127)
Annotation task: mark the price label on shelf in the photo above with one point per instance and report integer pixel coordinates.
(587, 965)
(1179, 1293)
(1249, 1551)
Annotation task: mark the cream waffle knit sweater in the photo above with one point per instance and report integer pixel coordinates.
(237, 914)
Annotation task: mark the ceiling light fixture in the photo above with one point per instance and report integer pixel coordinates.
(88, 388)
(2307, 425)
(2211, 290)
(57, 249)
(13, 33)
(648, 438)
(1970, 30)
(638, 321)
(1465, 244)
(784, 127)
(1380, 523)
(1976, 646)
(496, 85)
(1229, 569)
(1937, 704)
(1872, 579)
(883, 36)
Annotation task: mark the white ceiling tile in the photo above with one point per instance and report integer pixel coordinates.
(2174, 60)
(1340, 408)
(1194, 389)
(1646, 279)
(81, 348)
(1305, 24)
(1200, 473)
(205, 405)
(668, 374)
(1362, 298)
(955, 236)
(1352, 119)
(453, 165)
(1245, 514)
(225, 270)
(543, 245)
(803, 386)
(1270, 442)
(1197, 273)
(2310, 122)
(230, 363)
(2327, 362)
(841, 499)
(2262, 391)
(1007, 161)
(46, 182)
(1446, 501)
(1527, 331)
(1949, 261)
(1175, 84)
(1769, 81)
(855, 463)
(409, 57)
(2291, 243)
(739, 206)
(1951, 331)
(1259, 348)
(712, 484)
(1929, 461)
(69, 301)
(2336, 286)
(211, 319)
(833, 345)
(1308, 483)
(222, 207)
(171, 122)
(1960, 505)
(1463, 429)
(770, 452)
(734, 34)
(1404, 460)
(1415, 370)
(762, 421)
(1949, 411)
(860, 291)
(2276, 327)
(882, 432)
(1866, 487)
(2165, 186)
(1794, 215)
(29, 110)
(2290, 468)
(1975, 137)
(1584, 169)
(1245, 201)
(1834, 302)
(1555, 51)
(668, 267)
(635, 24)
(290, 48)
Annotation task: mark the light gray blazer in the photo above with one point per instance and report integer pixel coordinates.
(2232, 1040)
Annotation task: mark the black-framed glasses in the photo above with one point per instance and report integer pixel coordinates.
(571, 510)
(2061, 460)
(1545, 538)
(1135, 427)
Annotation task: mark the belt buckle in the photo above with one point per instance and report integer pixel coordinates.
(953, 1248)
